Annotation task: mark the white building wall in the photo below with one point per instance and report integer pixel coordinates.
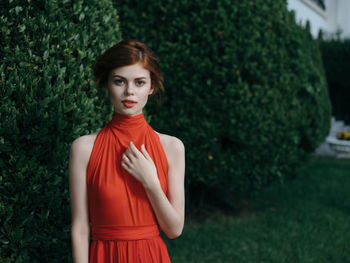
(343, 16)
(335, 17)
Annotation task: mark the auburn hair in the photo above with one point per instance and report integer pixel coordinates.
(125, 53)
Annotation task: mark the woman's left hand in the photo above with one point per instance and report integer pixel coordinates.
(140, 165)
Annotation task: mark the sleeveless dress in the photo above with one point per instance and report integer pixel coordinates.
(124, 226)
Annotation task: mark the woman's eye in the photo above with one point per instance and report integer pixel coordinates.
(119, 82)
(140, 83)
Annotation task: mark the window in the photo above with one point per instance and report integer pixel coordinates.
(320, 3)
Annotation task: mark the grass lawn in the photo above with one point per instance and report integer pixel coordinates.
(305, 220)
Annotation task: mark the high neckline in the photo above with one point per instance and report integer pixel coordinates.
(127, 121)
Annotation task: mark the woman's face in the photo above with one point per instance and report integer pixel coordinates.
(129, 88)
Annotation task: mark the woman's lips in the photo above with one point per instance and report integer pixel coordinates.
(129, 104)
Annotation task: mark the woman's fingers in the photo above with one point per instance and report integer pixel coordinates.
(133, 148)
(126, 166)
(130, 153)
(145, 153)
(125, 158)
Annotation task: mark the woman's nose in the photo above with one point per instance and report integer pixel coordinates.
(129, 89)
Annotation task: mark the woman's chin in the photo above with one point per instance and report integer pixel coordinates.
(128, 111)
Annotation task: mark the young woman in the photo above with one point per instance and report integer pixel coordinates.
(127, 179)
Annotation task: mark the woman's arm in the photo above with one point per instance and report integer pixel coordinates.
(80, 228)
(170, 212)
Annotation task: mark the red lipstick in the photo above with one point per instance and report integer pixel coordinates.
(129, 103)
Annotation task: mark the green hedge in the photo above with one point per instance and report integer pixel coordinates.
(48, 98)
(336, 60)
(245, 87)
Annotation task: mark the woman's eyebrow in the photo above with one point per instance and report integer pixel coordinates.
(115, 75)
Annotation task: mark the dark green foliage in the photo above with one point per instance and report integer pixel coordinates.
(304, 221)
(245, 87)
(336, 60)
(48, 98)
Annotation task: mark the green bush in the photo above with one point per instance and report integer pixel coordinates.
(48, 98)
(336, 60)
(245, 87)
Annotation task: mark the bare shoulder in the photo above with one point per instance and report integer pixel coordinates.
(82, 146)
(173, 146)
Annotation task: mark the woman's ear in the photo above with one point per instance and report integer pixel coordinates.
(150, 91)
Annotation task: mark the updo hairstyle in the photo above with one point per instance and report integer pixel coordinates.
(125, 53)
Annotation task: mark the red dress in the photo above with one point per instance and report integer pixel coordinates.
(124, 226)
